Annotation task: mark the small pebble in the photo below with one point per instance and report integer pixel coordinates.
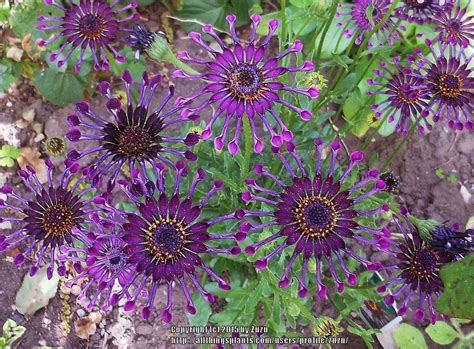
(75, 290)
(81, 312)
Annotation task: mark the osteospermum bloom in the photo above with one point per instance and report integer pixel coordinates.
(166, 239)
(89, 24)
(416, 271)
(242, 81)
(455, 26)
(106, 265)
(317, 216)
(137, 135)
(452, 244)
(420, 12)
(405, 97)
(450, 82)
(359, 18)
(54, 215)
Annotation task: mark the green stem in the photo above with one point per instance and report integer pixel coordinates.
(283, 39)
(171, 58)
(325, 31)
(400, 145)
(248, 146)
(374, 132)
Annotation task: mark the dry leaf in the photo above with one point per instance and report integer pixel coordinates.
(26, 43)
(84, 327)
(31, 156)
(14, 53)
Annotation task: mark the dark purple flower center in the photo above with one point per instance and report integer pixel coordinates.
(450, 85)
(165, 239)
(407, 94)
(57, 220)
(316, 216)
(423, 263)
(245, 81)
(453, 27)
(115, 259)
(134, 141)
(417, 5)
(91, 25)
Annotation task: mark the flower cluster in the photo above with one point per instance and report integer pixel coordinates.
(241, 81)
(90, 24)
(137, 135)
(318, 216)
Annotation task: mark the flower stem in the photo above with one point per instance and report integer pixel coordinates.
(248, 146)
(326, 28)
(400, 145)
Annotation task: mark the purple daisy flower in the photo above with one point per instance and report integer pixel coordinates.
(360, 18)
(136, 136)
(453, 245)
(241, 81)
(90, 24)
(406, 97)
(450, 82)
(417, 271)
(166, 239)
(107, 265)
(454, 26)
(419, 12)
(316, 215)
(54, 216)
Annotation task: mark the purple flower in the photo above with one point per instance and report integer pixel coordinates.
(452, 244)
(415, 11)
(454, 26)
(450, 82)
(90, 24)
(136, 136)
(404, 96)
(166, 240)
(241, 81)
(107, 265)
(317, 216)
(360, 18)
(416, 271)
(53, 216)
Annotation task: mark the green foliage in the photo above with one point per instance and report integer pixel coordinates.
(458, 279)
(11, 332)
(409, 337)
(442, 333)
(9, 73)
(8, 155)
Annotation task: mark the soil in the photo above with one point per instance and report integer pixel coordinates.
(422, 190)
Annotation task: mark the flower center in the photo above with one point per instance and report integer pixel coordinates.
(423, 263)
(416, 4)
(245, 81)
(453, 26)
(450, 85)
(165, 239)
(57, 220)
(390, 181)
(316, 216)
(407, 95)
(115, 259)
(92, 25)
(134, 141)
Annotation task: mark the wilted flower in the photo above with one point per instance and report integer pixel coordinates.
(359, 18)
(166, 239)
(241, 81)
(53, 216)
(420, 12)
(450, 82)
(55, 146)
(318, 216)
(392, 182)
(405, 96)
(89, 24)
(452, 244)
(417, 268)
(136, 136)
(325, 327)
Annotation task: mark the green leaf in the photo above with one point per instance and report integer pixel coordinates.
(143, 3)
(241, 8)
(8, 155)
(255, 297)
(458, 279)
(12, 332)
(357, 114)
(409, 337)
(442, 333)
(9, 73)
(36, 291)
(301, 3)
(209, 11)
(60, 88)
(203, 311)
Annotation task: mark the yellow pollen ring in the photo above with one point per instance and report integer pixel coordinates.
(304, 226)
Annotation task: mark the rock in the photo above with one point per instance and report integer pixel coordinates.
(466, 145)
(38, 128)
(14, 53)
(75, 290)
(80, 312)
(144, 329)
(39, 138)
(28, 115)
